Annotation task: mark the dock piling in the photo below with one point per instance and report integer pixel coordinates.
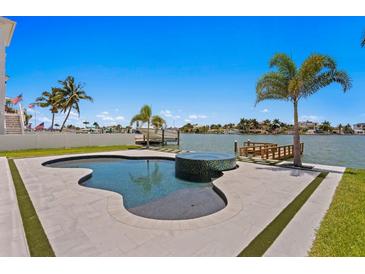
(163, 137)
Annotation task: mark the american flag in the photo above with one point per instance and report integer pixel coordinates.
(31, 106)
(17, 99)
(40, 126)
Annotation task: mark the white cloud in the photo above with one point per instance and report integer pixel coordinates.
(195, 116)
(107, 118)
(187, 120)
(313, 118)
(265, 110)
(104, 116)
(168, 114)
(74, 113)
(32, 110)
(74, 116)
(44, 119)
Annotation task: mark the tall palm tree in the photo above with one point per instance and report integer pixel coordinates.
(51, 100)
(145, 116)
(72, 93)
(290, 83)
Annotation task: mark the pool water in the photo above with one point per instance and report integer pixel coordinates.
(148, 182)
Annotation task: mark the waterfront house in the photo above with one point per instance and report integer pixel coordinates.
(359, 128)
(10, 122)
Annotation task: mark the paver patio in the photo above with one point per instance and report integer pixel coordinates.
(12, 237)
(81, 221)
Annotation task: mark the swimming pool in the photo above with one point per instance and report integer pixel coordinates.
(149, 187)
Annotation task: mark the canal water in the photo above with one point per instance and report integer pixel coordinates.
(346, 151)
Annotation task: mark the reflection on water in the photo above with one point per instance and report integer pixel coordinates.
(346, 151)
(152, 178)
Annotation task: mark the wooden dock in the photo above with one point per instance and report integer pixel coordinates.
(160, 136)
(268, 151)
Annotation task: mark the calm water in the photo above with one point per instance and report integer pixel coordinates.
(346, 151)
(139, 181)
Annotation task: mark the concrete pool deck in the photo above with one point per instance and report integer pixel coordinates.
(12, 237)
(81, 221)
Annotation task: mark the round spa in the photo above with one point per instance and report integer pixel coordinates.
(203, 166)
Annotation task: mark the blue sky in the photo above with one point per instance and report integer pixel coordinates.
(197, 69)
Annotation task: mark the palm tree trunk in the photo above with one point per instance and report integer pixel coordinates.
(148, 134)
(296, 138)
(64, 122)
(52, 121)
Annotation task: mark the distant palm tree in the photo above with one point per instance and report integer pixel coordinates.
(96, 125)
(158, 122)
(27, 117)
(347, 129)
(326, 126)
(340, 128)
(51, 100)
(72, 93)
(145, 116)
(290, 83)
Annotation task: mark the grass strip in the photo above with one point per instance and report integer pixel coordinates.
(342, 233)
(264, 240)
(62, 151)
(38, 243)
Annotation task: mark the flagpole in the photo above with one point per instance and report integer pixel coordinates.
(35, 117)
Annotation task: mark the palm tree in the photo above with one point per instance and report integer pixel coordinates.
(51, 100)
(340, 128)
(145, 116)
(158, 122)
(72, 93)
(290, 83)
(326, 126)
(363, 41)
(27, 117)
(96, 125)
(348, 129)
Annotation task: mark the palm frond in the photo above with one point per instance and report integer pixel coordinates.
(272, 85)
(157, 121)
(315, 64)
(284, 64)
(138, 118)
(324, 80)
(146, 111)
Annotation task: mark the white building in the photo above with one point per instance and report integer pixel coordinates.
(6, 32)
(359, 128)
(308, 125)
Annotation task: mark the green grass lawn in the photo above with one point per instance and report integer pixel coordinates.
(37, 240)
(342, 231)
(62, 151)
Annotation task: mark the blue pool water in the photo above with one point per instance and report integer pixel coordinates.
(139, 181)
